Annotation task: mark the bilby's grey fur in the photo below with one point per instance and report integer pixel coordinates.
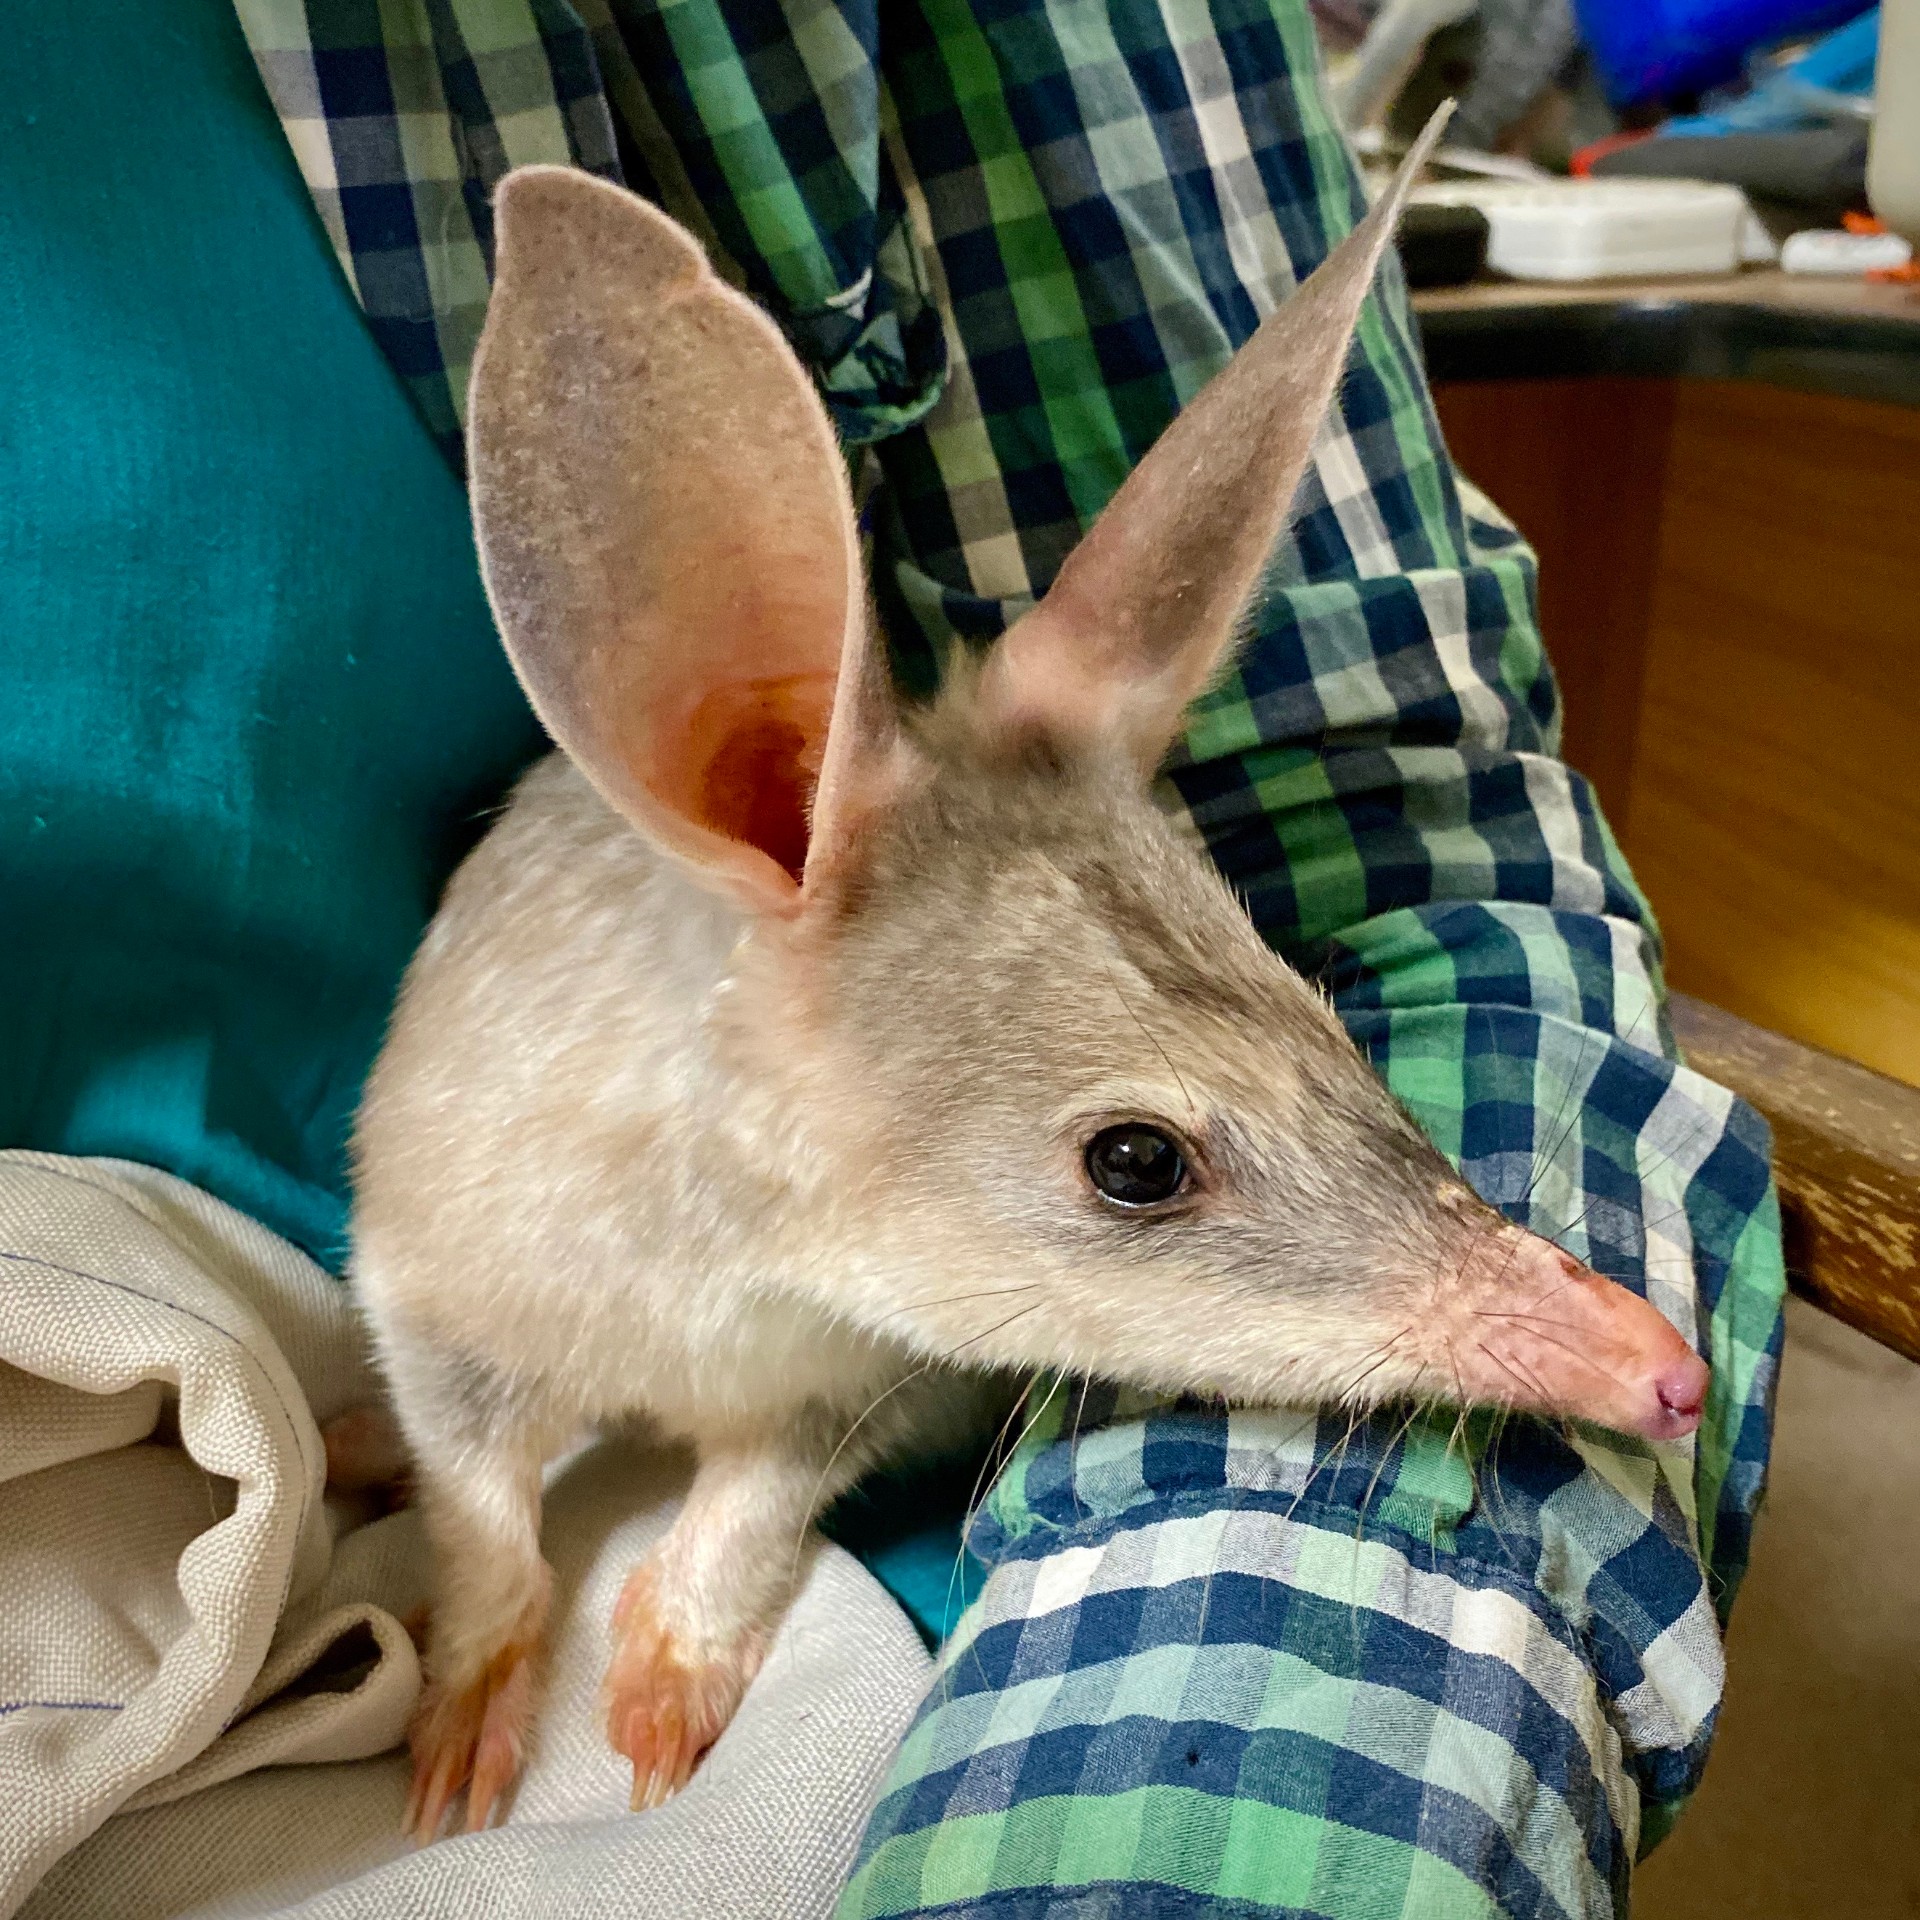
(771, 1130)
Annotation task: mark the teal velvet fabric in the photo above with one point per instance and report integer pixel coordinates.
(251, 705)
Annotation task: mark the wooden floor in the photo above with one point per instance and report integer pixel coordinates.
(1730, 588)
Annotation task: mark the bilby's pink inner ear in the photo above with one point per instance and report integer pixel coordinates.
(1146, 608)
(665, 531)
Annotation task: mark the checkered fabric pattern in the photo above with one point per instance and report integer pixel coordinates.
(1259, 1663)
(758, 128)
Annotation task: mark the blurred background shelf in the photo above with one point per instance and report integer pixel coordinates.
(1837, 336)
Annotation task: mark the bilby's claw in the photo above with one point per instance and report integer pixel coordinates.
(473, 1736)
(666, 1705)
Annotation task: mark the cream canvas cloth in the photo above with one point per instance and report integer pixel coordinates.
(203, 1678)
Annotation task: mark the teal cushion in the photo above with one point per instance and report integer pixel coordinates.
(251, 705)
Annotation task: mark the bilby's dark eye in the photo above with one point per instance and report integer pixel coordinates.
(1134, 1165)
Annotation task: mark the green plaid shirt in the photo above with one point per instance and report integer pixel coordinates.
(1265, 1663)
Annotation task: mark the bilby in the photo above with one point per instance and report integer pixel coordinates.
(786, 1065)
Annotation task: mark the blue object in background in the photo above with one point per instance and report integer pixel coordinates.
(1800, 93)
(1646, 49)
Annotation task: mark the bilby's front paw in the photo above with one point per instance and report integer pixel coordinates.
(668, 1702)
(474, 1736)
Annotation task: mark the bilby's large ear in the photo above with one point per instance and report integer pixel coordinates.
(1145, 608)
(667, 536)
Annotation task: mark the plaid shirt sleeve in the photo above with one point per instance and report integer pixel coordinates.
(1259, 1663)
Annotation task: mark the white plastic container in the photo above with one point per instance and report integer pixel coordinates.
(1602, 229)
(1826, 250)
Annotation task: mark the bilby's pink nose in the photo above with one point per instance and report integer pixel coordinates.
(1545, 1333)
(1682, 1391)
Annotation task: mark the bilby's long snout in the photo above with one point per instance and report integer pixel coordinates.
(1539, 1331)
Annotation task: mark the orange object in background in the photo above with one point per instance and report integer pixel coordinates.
(1909, 275)
(1582, 163)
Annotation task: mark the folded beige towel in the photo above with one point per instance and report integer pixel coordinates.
(188, 1625)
